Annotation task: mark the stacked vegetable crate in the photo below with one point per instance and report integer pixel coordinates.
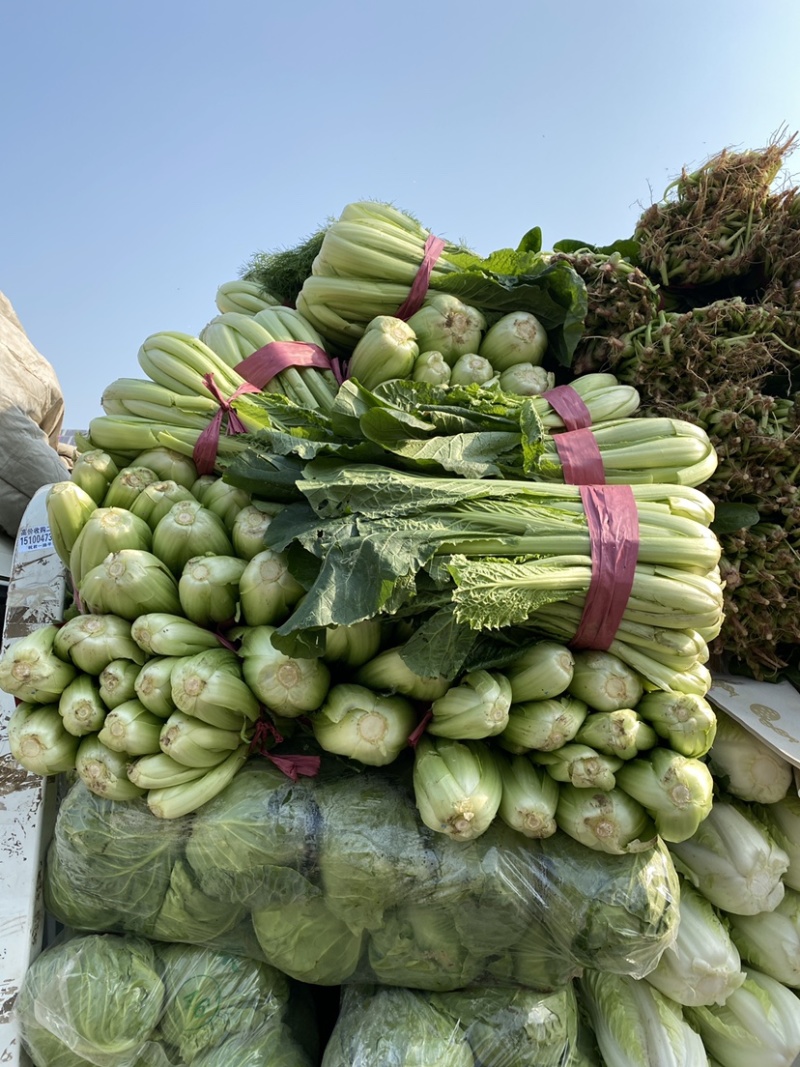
(403, 741)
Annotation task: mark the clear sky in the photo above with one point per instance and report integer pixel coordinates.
(148, 149)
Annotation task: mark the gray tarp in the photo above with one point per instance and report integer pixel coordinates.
(31, 417)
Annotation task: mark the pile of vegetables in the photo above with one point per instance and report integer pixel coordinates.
(391, 620)
(720, 349)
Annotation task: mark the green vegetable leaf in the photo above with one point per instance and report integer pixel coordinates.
(531, 241)
(729, 517)
(495, 593)
(440, 645)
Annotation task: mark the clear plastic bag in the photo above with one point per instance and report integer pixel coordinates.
(335, 879)
(116, 1000)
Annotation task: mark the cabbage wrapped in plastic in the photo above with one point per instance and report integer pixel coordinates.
(305, 940)
(211, 996)
(515, 1027)
(395, 1028)
(95, 998)
(110, 868)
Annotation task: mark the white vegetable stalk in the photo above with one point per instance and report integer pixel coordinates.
(542, 725)
(189, 529)
(210, 686)
(153, 685)
(163, 634)
(118, 682)
(676, 791)
(686, 721)
(127, 485)
(782, 822)
(524, 379)
(388, 349)
(606, 820)
(702, 965)
(541, 671)
(91, 642)
(157, 499)
(516, 338)
(170, 466)
(388, 672)
(132, 729)
(580, 765)
(194, 743)
(770, 941)
(604, 682)
(362, 725)
(757, 1026)
(208, 588)
(249, 528)
(81, 706)
(130, 583)
(637, 1026)
(38, 740)
(174, 801)
(353, 645)
(457, 786)
(529, 799)
(617, 733)
(749, 768)
(159, 771)
(103, 771)
(267, 590)
(287, 686)
(447, 325)
(226, 501)
(32, 669)
(431, 367)
(107, 530)
(733, 861)
(477, 707)
(93, 471)
(68, 510)
(471, 369)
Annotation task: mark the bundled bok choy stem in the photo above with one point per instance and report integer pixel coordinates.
(502, 551)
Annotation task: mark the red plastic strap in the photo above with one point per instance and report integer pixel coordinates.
(581, 461)
(419, 287)
(205, 449)
(294, 766)
(419, 729)
(261, 366)
(567, 403)
(614, 531)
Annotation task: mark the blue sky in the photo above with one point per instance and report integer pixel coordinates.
(149, 149)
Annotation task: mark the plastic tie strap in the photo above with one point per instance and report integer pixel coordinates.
(568, 404)
(205, 450)
(293, 766)
(261, 366)
(434, 247)
(613, 522)
(581, 460)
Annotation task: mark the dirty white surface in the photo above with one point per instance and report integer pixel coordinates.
(27, 802)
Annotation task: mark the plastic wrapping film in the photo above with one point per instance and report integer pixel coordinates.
(335, 880)
(465, 1028)
(114, 1000)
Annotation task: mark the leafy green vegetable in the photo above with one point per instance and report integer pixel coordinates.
(99, 996)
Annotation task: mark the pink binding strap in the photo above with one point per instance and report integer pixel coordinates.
(614, 532)
(567, 403)
(434, 247)
(205, 449)
(581, 461)
(261, 366)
